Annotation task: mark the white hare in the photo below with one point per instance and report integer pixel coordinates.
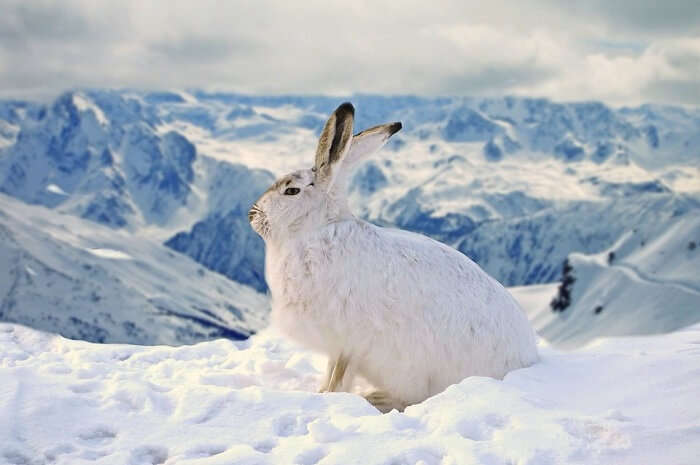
(407, 313)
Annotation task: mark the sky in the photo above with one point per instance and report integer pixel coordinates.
(622, 52)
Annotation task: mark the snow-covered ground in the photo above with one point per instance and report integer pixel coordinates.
(617, 401)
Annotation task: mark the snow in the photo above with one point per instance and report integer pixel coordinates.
(110, 253)
(627, 400)
(55, 189)
(72, 276)
(83, 103)
(8, 134)
(534, 299)
(646, 283)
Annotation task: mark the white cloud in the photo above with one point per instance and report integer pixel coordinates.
(272, 46)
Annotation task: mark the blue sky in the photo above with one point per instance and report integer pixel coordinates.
(621, 52)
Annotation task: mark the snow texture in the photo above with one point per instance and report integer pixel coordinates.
(621, 401)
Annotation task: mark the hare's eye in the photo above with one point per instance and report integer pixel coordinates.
(292, 191)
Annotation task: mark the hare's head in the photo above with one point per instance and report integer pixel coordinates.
(309, 199)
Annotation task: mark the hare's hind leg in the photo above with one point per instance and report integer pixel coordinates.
(325, 381)
(338, 376)
(383, 401)
(343, 375)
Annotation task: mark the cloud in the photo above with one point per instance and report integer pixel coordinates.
(42, 21)
(638, 17)
(199, 49)
(622, 52)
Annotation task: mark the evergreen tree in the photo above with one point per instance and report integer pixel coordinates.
(563, 298)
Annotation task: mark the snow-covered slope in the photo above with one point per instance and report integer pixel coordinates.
(646, 283)
(223, 240)
(530, 249)
(618, 401)
(643, 284)
(71, 276)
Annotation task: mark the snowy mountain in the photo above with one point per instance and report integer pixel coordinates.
(99, 159)
(223, 240)
(67, 275)
(529, 249)
(618, 401)
(517, 184)
(647, 282)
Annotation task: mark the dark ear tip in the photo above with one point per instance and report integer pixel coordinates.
(394, 128)
(344, 110)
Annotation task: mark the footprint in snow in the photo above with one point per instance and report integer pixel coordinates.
(205, 450)
(54, 452)
(148, 455)
(265, 446)
(99, 436)
(212, 411)
(310, 457)
(94, 455)
(291, 425)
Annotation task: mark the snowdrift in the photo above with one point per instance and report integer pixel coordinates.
(627, 400)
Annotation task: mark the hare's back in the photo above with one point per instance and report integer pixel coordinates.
(408, 272)
(428, 276)
(432, 260)
(445, 306)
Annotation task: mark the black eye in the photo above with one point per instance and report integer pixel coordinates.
(292, 191)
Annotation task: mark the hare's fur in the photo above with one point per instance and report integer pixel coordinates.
(407, 313)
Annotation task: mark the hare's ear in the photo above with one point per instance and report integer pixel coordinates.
(363, 145)
(334, 142)
(367, 142)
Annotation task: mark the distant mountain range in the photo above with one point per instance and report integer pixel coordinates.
(517, 184)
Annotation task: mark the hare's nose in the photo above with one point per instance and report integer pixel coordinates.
(254, 210)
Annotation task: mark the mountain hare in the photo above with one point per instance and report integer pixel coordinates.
(407, 313)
